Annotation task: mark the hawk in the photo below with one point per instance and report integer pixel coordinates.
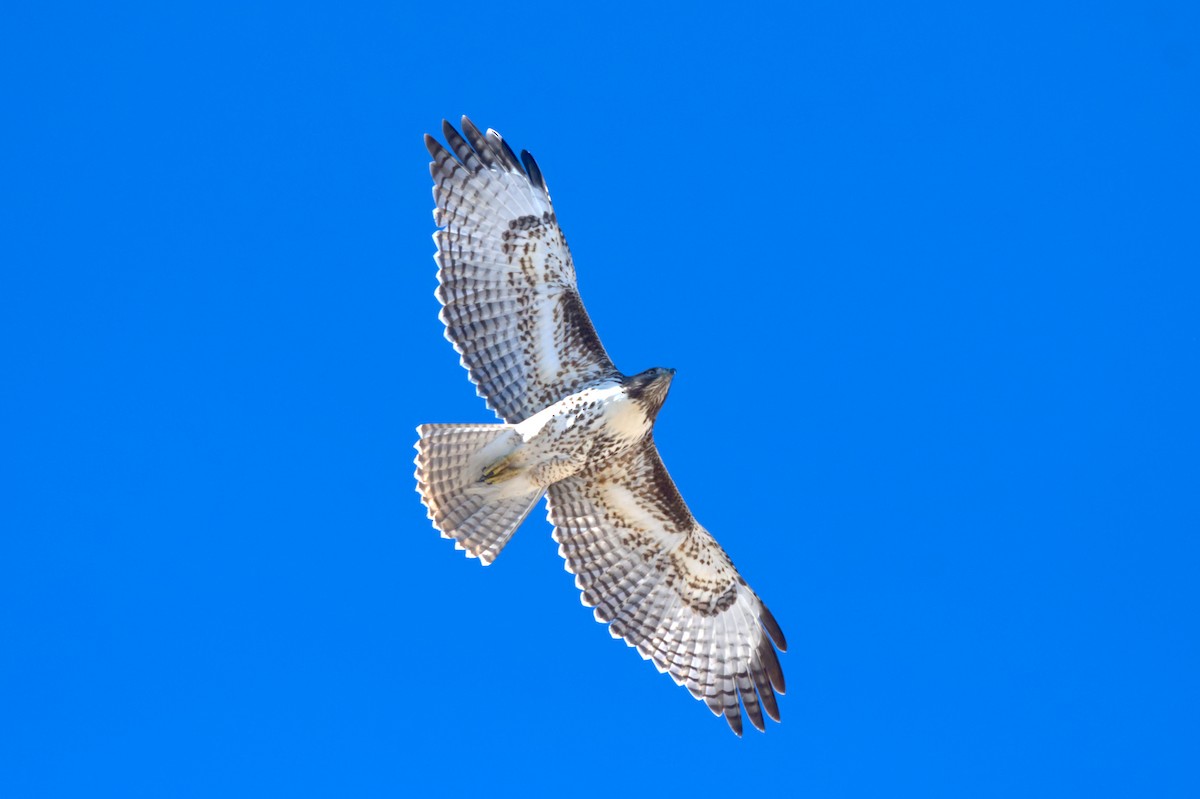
(579, 431)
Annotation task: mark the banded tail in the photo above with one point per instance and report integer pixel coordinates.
(479, 514)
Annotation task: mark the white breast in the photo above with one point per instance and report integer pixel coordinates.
(624, 417)
(591, 412)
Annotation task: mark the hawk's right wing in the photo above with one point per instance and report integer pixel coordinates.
(507, 282)
(664, 585)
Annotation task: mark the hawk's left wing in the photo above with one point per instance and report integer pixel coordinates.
(663, 584)
(507, 281)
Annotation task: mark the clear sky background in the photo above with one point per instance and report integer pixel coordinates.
(928, 273)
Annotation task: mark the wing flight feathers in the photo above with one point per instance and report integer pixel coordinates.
(506, 279)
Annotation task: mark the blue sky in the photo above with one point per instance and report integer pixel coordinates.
(929, 278)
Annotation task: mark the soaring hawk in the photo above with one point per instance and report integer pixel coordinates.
(578, 430)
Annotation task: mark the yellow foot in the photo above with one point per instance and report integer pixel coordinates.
(499, 471)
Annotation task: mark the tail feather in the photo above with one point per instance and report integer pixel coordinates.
(481, 518)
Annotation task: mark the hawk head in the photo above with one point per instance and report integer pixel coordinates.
(649, 388)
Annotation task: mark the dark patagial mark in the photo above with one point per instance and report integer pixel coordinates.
(580, 333)
(666, 495)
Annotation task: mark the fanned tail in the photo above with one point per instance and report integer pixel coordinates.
(479, 515)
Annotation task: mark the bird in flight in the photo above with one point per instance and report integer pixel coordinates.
(579, 431)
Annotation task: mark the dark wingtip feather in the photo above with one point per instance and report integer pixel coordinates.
(468, 127)
(506, 152)
(768, 677)
(772, 627)
(753, 710)
(770, 663)
(767, 696)
(535, 174)
(486, 153)
(436, 150)
(734, 717)
(460, 147)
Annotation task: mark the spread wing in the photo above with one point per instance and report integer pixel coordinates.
(507, 283)
(663, 584)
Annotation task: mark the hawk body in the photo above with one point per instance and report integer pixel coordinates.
(598, 422)
(578, 430)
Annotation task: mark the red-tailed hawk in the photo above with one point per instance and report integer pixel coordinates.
(579, 430)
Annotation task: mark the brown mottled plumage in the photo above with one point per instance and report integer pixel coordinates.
(578, 429)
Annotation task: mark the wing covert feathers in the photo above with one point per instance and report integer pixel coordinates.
(662, 583)
(506, 279)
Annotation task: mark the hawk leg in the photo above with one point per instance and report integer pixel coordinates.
(500, 471)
